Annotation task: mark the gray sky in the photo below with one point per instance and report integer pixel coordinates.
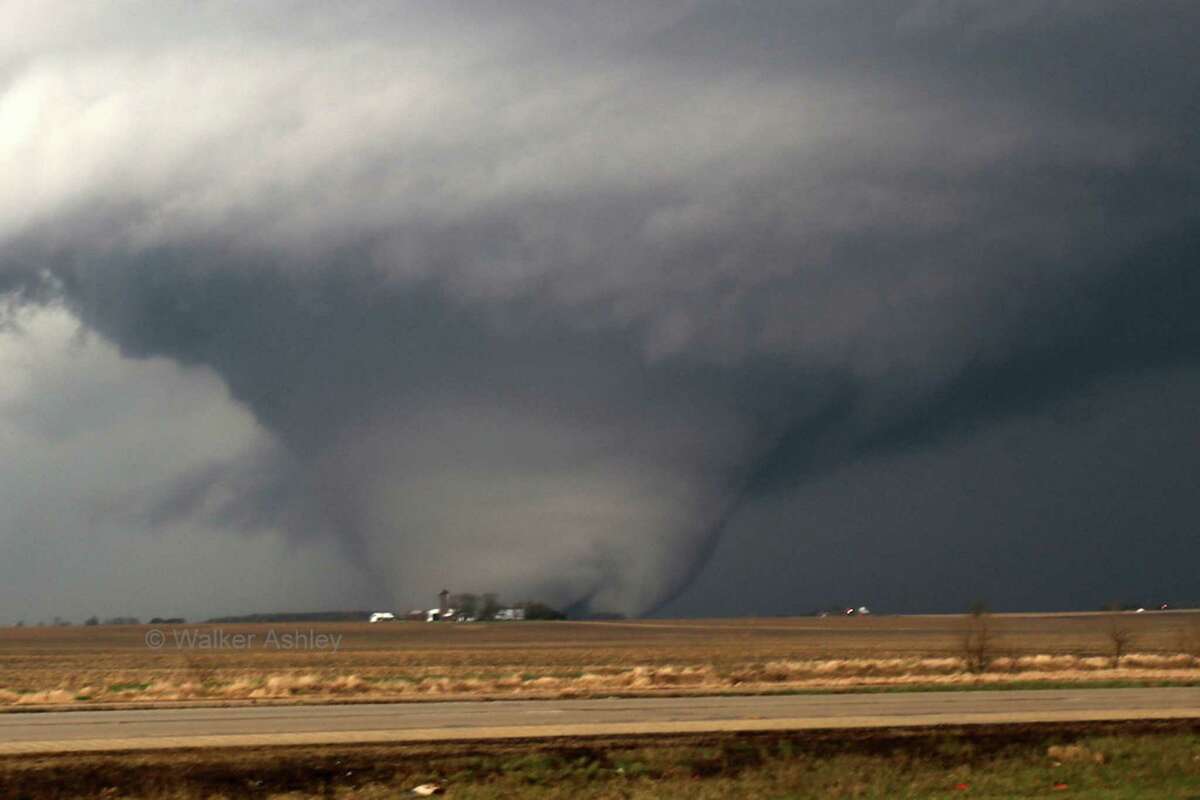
(682, 308)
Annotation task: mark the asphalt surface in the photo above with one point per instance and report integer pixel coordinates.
(249, 726)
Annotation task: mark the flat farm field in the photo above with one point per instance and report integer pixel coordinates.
(73, 667)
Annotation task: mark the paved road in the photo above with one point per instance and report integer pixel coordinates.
(249, 726)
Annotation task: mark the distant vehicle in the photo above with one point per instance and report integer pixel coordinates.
(382, 616)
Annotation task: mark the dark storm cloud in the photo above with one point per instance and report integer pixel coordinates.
(543, 302)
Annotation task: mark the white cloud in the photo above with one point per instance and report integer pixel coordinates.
(87, 436)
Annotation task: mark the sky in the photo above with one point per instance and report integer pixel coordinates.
(686, 308)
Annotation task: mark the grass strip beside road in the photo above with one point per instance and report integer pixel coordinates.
(1110, 761)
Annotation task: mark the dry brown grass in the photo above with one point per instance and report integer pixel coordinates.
(411, 661)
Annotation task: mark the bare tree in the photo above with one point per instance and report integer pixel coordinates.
(466, 604)
(488, 606)
(977, 640)
(1120, 637)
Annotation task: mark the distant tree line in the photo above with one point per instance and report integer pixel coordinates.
(114, 621)
(93, 620)
(485, 606)
(295, 616)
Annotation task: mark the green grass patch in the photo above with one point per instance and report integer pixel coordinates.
(128, 687)
(1106, 767)
(1107, 761)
